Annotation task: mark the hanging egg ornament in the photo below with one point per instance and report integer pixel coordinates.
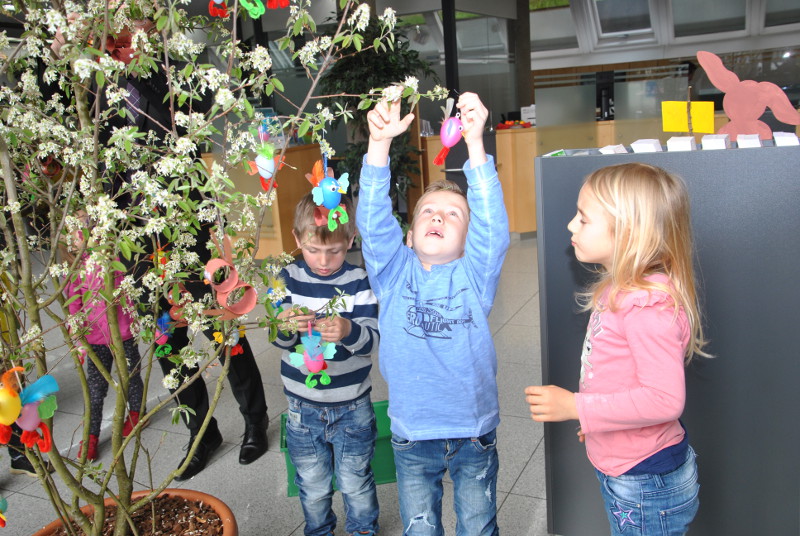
(10, 403)
(265, 166)
(29, 418)
(449, 134)
(331, 193)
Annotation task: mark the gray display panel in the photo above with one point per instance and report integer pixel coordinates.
(741, 409)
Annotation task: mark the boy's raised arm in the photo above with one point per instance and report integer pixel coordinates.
(384, 125)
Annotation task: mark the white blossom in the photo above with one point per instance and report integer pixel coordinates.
(84, 68)
(59, 270)
(392, 93)
(225, 97)
(308, 52)
(389, 18)
(259, 59)
(184, 146)
(411, 82)
(360, 18)
(171, 381)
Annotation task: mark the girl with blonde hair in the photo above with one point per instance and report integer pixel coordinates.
(633, 223)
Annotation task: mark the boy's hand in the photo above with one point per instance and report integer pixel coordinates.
(549, 403)
(333, 329)
(473, 117)
(294, 314)
(385, 123)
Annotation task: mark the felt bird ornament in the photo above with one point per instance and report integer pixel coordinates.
(275, 4)
(217, 8)
(312, 353)
(327, 193)
(27, 409)
(3, 508)
(449, 134)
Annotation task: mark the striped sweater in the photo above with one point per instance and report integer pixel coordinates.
(350, 367)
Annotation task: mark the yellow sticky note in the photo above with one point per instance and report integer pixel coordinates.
(675, 119)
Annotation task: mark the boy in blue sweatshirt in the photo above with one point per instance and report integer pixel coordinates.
(436, 350)
(330, 425)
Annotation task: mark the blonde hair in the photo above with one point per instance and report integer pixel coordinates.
(305, 225)
(648, 211)
(442, 185)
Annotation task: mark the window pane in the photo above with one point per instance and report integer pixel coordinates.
(782, 12)
(552, 29)
(620, 16)
(481, 37)
(710, 16)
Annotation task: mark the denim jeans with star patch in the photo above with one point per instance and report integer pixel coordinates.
(652, 504)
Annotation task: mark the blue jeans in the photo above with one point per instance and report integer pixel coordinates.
(472, 463)
(655, 504)
(323, 440)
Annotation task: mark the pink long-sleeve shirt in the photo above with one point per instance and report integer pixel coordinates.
(98, 331)
(632, 386)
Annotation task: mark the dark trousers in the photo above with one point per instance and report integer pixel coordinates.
(243, 374)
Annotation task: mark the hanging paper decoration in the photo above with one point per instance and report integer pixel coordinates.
(226, 287)
(27, 409)
(327, 193)
(217, 8)
(265, 164)
(312, 353)
(275, 4)
(254, 7)
(450, 133)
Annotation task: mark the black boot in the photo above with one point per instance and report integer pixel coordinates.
(254, 442)
(211, 441)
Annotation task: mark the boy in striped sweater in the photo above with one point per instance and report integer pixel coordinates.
(330, 425)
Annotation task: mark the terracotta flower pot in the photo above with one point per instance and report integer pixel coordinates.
(229, 526)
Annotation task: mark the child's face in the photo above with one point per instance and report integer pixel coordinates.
(592, 235)
(323, 259)
(439, 231)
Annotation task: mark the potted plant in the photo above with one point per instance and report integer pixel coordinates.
(72, 145)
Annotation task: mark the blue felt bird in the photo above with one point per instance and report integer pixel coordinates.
(330, 190)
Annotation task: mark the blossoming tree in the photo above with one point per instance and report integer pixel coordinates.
(71, 149)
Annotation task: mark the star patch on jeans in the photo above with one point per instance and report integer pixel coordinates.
(623, 516)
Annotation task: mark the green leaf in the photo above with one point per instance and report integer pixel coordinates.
(125, 248)
(278, 84)
(100, 78)
(162, 22)
(118, 266)
(303, 128)
(188, 70)
(71, 299)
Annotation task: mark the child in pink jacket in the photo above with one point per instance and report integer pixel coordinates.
(98, 334)
(633, 222)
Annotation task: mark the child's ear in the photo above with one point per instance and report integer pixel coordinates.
(350, 244)
(296, 239)
(409, 242)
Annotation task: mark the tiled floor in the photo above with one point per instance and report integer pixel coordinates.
(257, 493)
